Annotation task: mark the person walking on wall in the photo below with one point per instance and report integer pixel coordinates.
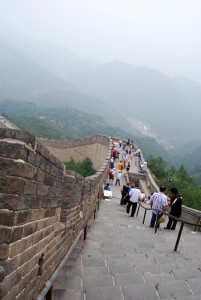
(134, 194)
(158, 204)
(126, 175)
(176, 208)
(118, 178)
(120, 166)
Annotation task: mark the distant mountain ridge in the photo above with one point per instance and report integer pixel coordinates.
(66, 123)
(125, 94)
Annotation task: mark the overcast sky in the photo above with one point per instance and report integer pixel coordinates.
(163, 34)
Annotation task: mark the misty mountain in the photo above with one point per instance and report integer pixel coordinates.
(168, 106)
(22, 77)
(138, 99)
(141, 97)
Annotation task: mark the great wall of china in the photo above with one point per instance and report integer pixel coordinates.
(44, 207)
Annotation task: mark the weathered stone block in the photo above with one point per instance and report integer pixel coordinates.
(2, 273)
(36, 202)
(11, 150)
(29, 292)
(11, 294)
(11, 185)
(16, 234)
(23, 217)
(7, 217)
(42, 190)
(4, 251)
(26, 280)
(43, 223)
(16, 167)
(39, 176)
(37, 214)
(52, 192)
(30, 229)
(30, 188)
(49, 180)
(46, 202)
(38, 236)
(17, 247)
(14, 202)
(50, 212)
(27, 256)
(34, 158)
(5, 235)
(43, 163)
(10, 265)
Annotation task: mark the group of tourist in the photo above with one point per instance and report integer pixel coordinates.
(131, 194)
(159, 205)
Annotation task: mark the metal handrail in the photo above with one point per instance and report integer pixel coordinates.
(172, 217)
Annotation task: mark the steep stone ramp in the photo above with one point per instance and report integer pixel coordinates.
(122, 259)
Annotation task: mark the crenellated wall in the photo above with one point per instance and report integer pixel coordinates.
(43, 207)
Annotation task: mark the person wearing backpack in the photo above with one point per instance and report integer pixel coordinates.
(125, 194)
(111, 175)
(176, 208)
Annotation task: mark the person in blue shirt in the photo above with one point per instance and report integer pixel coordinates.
(107, 187)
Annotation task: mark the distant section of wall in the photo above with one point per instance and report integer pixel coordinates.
(43, 207)
(95, 147)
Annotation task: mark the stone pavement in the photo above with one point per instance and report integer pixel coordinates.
(122, 259)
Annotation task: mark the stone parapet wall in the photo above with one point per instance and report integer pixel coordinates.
(188, 214)
(95, 147)
(43, 207)
(191, 215)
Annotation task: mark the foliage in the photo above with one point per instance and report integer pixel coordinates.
(84, 168)
(158, 165)
(68, 123)
(38, 127)
(176, 177)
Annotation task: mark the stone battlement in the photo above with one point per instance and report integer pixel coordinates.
(43, 207)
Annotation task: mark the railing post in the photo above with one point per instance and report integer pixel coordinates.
(178, 237)
(49, 295)
(156, 224)
(138, 209)
(85, 232)
(198, 222)
(145, 211)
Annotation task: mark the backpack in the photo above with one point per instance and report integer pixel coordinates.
(111, 173)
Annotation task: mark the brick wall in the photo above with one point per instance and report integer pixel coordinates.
(42, 209)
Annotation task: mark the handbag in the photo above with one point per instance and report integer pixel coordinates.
(162, 219)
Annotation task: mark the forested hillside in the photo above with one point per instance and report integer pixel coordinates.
(67, 123)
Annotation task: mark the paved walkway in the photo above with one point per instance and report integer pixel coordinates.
(122, 259)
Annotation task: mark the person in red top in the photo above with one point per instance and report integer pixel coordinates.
(111, 176)
(114, 154)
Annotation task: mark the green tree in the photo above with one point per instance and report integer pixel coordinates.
(180, 178)
(157, 165)
(84, 168)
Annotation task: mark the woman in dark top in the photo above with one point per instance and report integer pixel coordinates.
(176, 208)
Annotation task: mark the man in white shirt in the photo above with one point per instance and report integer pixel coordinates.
(134, 194)
(159, 204)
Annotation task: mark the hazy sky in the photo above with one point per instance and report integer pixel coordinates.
(163, 34)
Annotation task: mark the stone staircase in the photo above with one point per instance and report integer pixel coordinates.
(121, 259)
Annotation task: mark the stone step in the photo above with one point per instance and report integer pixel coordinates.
(122, 259)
